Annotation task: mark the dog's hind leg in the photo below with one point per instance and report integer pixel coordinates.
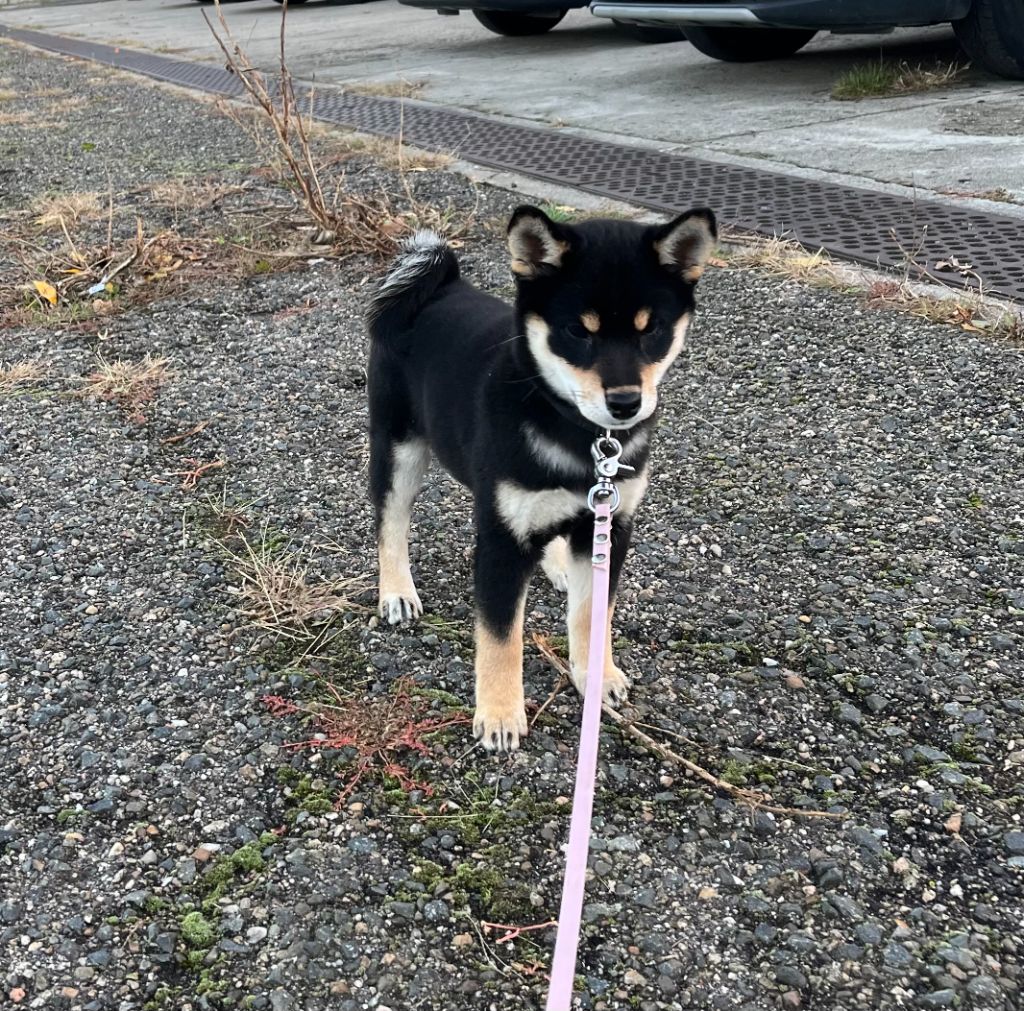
(616, 684)
(396, 476)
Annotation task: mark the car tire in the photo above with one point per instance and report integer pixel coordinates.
(649, 34)
(748, 45)
(992, 35)
(517, 25)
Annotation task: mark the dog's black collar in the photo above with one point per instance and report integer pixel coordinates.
(567, 411)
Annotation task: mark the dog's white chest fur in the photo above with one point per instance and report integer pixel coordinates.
(527, 512)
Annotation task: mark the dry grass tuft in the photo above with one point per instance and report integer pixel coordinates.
(964, 309)
(388, 89)
(7, 95)
(180, 193)
(130, 385)
(26, 118)
(50, 93)
(275, 593)
(960, 309)
(19, 374)
(886, 80)
(787, 259)
(395, 155)
(191, 195)
(67, 208)
(999, 195)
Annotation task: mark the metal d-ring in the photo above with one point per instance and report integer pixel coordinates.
(603, 489)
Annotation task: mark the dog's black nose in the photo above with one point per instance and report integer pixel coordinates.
(623, 404)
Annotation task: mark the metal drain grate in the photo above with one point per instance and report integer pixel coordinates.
(863, 225)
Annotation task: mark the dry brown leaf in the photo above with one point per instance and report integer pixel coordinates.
(46, 290)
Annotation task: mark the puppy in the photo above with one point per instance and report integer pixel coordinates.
(509, 399)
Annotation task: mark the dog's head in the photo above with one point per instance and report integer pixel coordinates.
(604, 306)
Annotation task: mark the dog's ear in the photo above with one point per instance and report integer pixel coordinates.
(684, 245)
(535, 242)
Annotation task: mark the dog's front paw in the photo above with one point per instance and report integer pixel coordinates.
(398, 607)
(615, 688)
(498, 728)
(555, 563)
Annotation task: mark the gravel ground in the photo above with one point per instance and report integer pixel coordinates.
(825, 601)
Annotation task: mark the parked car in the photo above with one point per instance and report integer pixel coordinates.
(534, 17)
(991, 31)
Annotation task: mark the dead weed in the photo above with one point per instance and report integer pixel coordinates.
(388, 89)
(52, 210)
(382, 730)
(274, 590)
(130, 385)
(346, 223)
(960, 309)
(191, 195)
(80, 279)
(787, 259)
(16, 375)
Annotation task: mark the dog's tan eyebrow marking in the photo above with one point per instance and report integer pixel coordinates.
(642, 318)
(591, 321)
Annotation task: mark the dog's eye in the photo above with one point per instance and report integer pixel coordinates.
(653, 342)
(579, 332)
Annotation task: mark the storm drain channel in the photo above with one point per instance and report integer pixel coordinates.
(874, 228)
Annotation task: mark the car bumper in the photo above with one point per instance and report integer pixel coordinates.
(517, 6)
(823, 15)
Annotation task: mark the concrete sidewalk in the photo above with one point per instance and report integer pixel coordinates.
(961, 143)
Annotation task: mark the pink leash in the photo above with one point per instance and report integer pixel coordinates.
(603, 499)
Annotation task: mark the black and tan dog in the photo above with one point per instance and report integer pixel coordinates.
(510, 400)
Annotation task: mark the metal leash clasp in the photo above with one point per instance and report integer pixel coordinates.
(606, 452)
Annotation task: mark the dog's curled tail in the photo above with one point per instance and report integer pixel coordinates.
(424, 263)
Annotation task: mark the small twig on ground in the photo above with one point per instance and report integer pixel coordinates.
(752, 798)
(172, 439)
(512, 933)
(190, 478)
(491, 955)
(562, 683)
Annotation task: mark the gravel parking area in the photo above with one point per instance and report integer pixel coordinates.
(825, 602)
